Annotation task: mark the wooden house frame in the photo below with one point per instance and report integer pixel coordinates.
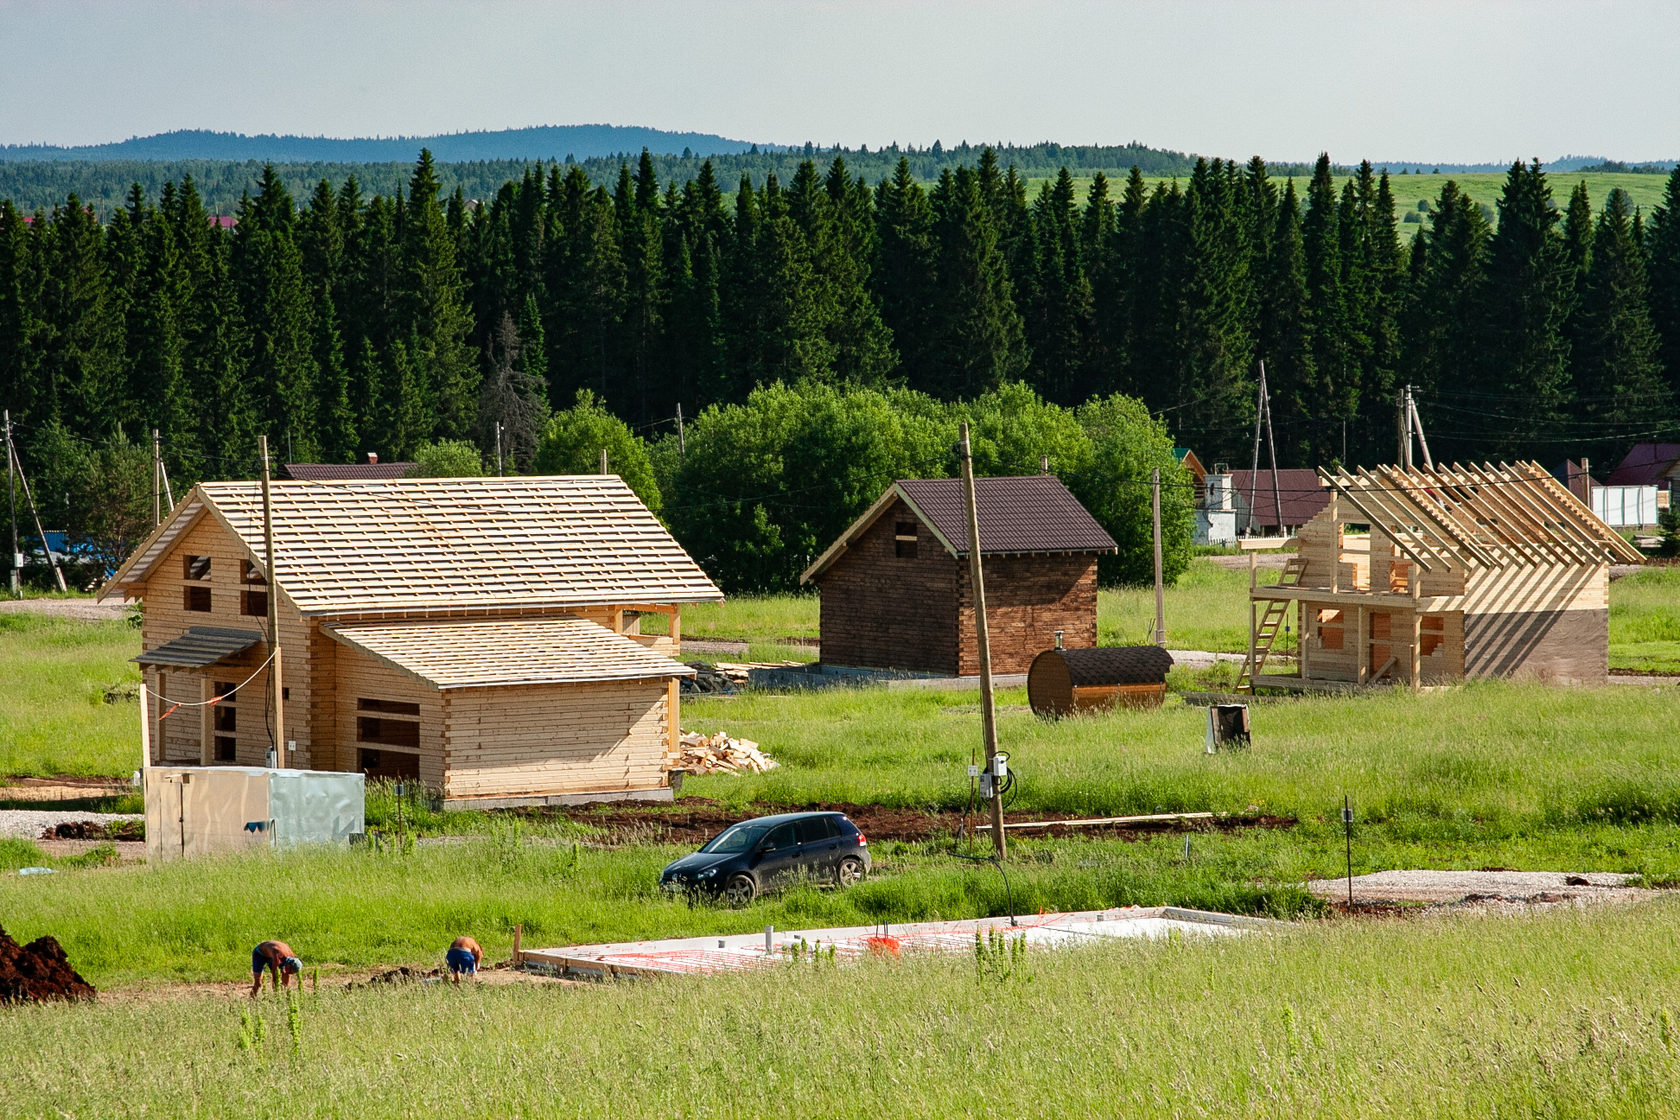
(480, 635)
(1466, 571)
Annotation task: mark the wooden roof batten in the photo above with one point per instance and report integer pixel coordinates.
(1466, 515)
(435, 544)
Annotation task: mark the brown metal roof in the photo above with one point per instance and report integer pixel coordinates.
(335, 472)
(1031, 513)
(1303, 497)
(1646, 464)
(1017, 513)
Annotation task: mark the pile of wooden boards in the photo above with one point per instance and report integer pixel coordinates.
(719, 754)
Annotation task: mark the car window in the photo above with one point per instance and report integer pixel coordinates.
(736, 838)
(782, 836)
(815, 829)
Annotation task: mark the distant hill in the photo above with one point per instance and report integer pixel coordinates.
(1562, 165)
(549, 142)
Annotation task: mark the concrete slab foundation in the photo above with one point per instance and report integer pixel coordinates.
(745, 952)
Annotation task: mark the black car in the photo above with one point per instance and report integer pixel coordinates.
(747, 859)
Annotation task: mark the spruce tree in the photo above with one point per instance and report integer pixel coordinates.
(81, 327)
(1440, 318)
(434, 307)
(19, 310)
(1663, 251)
(1058, 316)
(1620, 391)
(321, 242)
(267, 268)
(977, 338)
(1283, 339)
(1332, 400)
(903, 276)
(1525, 308)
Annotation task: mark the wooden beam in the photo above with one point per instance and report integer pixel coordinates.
(1434, 604)
(1372, 519)
(1567, 548)
(1148, 818)
(1493, 520)
(1595, 535)
(1460, 542)
(1399, 520)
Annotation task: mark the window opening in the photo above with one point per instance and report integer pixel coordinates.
(195, 567)
(195, 598)
(904, 540)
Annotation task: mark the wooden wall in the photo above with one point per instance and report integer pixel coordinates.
(883, 611)
(1028, 598)
(165, 617)
(599, 737)
(1539, 624)
(356, 676)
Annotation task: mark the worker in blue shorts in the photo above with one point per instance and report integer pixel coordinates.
(463, 956)
(278, 958)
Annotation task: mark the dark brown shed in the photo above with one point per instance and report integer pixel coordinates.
(1076, 680)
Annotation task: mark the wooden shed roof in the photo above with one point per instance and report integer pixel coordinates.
(358, 547)
(1031, 513)
(1464, 516)
(481, 653)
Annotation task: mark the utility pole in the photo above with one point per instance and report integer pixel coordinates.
(1254, 467)
(277, 692)
(682, 442)
(1403, 429)
(11, 505)
(1160, 592)
(157, 481)
(603, 460)
(1271, 444)
(15, 460)
(988, 714)
(1417, 427)
(498, 449)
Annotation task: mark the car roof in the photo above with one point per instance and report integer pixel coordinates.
(781, 818)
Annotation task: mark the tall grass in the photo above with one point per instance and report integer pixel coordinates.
(1574, 1014)
(54, 715)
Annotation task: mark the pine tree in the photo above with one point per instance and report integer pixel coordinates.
(1621, 393)
(1525, 307)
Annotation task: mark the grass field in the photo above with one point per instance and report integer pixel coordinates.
(1645, 621)
(1559, 1015)
(54, 715)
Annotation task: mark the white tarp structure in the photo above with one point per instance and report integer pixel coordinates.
(1624, 507)
(200, 810)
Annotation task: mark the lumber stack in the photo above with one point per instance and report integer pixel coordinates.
(719, 754)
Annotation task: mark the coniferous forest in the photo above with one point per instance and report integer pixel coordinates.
(339, 322)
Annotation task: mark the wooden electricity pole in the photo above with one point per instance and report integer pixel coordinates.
(15, 462)
(11, 506)
(1160, 591)
(157, 481)
(276, 690)
(603, 460)
(498, 449)
(988, 714)
(682, 442)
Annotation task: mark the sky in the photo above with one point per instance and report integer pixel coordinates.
(1425, 80)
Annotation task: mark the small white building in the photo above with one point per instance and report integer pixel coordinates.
(1625, 507)
(1216, 516)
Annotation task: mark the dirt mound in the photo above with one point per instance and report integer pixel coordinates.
(697, 819)
(403, 975)
(94, 830)
(38, 971)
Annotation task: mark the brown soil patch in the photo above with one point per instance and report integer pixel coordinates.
(697, 819)
(95, 830)
(38, 971)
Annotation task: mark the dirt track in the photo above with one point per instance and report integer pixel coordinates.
(696, 819)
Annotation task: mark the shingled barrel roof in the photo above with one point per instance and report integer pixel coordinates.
(1115, 665)
(1031, 513)
(445, 543)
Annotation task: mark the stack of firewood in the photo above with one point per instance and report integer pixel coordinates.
(719, 754)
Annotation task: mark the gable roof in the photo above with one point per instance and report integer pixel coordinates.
(1029, 513)
(325, 472)
(1647, 463)
(443, 543)
(480, 653)
(1464, 516)
(1298, 488)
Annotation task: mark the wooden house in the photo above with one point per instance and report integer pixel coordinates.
(1463, 572)
(482, 635)
(896, 592)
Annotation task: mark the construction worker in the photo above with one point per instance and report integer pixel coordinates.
(278, 958)
(463, 956)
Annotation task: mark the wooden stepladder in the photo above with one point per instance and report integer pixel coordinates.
(1264, 630)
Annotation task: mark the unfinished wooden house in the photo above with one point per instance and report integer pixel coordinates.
(896, 592)
(1462, 572)
(482, 635)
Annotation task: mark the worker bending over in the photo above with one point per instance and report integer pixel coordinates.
(278, 958)
(463, 956)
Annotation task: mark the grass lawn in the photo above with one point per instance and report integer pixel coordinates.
(54, 715)
(1645, 621)
(1565, 1014)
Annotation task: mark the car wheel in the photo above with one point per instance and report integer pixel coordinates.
(740, 889)
(849, 873)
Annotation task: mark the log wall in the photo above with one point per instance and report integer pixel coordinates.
(883, 611)
(1028, 598)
